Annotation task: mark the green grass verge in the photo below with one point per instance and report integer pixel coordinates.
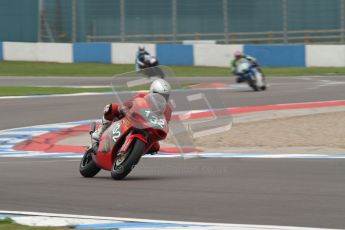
(26, 90)
(19, 68)
(9, 224)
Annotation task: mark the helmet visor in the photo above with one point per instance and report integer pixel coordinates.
(164, 95)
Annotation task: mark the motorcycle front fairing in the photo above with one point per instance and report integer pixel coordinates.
(110, 140)
(246, 70)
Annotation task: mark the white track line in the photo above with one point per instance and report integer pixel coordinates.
(120, 219)
(56, 95)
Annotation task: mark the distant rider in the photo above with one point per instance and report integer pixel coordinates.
(238, 56)
(140, 58)
(117, 111)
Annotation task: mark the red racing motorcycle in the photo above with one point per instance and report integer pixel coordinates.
(124, 143)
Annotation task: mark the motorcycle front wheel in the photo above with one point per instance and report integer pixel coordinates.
(122, 168)
(88, 167)
(253, 85)
(264, 86)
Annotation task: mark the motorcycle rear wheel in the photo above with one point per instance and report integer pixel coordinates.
(88, 167)
(120, 171)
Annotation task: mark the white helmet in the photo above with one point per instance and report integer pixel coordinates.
(141, 48)
(162, 87)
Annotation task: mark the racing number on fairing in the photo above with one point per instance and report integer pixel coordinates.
(155, 120)
(116, 133)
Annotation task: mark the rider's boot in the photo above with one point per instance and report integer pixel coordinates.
(96, 136)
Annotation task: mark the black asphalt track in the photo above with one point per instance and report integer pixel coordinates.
(292, 192)
(304, 192)
(34, 111)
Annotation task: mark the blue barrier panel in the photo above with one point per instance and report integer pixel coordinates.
(1, 51)
(92, 52)
(277, 55)
(175, 54)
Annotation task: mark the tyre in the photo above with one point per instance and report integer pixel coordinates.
(121, 169)
(146, 72)
(264, 87)
(252, 84)
(88, 167)
(159, 72)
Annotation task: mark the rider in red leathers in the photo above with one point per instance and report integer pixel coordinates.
(116, 111)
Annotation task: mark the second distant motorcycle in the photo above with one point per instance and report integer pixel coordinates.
(251, 74)
(145, 62)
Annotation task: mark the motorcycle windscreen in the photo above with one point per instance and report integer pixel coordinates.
(243, 65)
(187, 101)
(150, 112)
